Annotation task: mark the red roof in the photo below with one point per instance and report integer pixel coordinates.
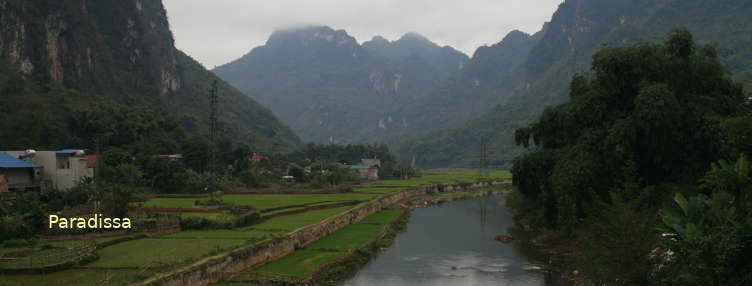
(258, 157)
(170, 156)
(91, 160)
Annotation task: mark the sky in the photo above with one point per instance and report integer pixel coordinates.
(218, 31)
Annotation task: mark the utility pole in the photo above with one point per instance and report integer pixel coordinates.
(97, 171)
(483, 158)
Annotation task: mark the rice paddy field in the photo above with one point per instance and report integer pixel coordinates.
(329, 249)
(262, 202)
(134, 260)
(78, 277)
(445, 176)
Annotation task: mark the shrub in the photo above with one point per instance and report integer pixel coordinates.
(194, 223)
(247, 219)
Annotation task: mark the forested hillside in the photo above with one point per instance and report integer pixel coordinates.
(576, 31)
(76, 70)
(329, 88)
(487, 80)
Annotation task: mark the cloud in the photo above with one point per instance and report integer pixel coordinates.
(219, 31)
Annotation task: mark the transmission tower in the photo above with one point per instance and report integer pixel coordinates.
(213, 99)
(213, 105)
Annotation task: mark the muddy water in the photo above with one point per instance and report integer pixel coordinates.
(452, 244)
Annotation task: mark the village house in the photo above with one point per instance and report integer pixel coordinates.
(170, 157)
(60, 170)
(258, 158)
(18, 175)
(368, 169)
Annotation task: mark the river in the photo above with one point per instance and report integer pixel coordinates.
(452, 244)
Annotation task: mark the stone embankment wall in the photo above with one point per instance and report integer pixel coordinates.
(225, 265)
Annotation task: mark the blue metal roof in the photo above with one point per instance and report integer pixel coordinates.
(8, 161)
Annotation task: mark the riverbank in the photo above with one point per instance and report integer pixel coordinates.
(342, 270)
(230, 264)
(346, 269)
(452, 243)
(555, 248)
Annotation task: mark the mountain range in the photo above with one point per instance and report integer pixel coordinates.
(70, 70)
(329, 88)
(577, 29)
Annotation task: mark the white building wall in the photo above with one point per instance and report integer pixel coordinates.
(60, 179)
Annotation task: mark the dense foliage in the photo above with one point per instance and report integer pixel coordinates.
(660, 105)
(644, 125)
(348, 154)
(713, 229)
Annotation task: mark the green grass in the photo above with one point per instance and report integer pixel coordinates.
(275, 201)
(378, 190)
(11, 249)
(83, 277)
(295, 221)
(349, 237)
(143, 252)
(382, 217)
(265, 201)
(443, 176)
(38, 257)
(78, 242)
(169, 202)
(212, 216)
(222, 234)
(301, 263)
(282, 210)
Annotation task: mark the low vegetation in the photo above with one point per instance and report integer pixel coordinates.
(170, 250)
(445, 176)
(330, 249)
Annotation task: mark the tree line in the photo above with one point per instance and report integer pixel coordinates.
(645, 167)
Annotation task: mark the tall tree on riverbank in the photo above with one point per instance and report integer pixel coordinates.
(660, 105)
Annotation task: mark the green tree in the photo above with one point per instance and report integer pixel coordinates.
(659, 105)
(738, 134)
(196, 153)
(713, 232)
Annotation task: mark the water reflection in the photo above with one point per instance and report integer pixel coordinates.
(453, 244)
